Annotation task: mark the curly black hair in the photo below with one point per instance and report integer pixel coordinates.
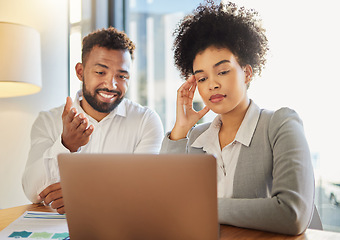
(222, 26)
(109, 38)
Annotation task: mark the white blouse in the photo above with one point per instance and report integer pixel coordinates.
(228, 157)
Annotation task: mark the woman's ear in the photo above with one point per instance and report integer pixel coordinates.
(79, 71)
(248, 70)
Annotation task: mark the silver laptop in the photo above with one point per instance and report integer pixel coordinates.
(140, 196)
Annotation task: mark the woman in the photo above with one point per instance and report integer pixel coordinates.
(265, 175)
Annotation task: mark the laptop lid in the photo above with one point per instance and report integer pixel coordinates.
(140, 196)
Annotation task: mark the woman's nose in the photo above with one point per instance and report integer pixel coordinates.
(213, 84)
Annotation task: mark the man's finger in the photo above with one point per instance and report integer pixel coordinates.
(67, 107)
(77, 120)
(83, 125)
(70, 115)
(58, 203)
(51, 188)
(53, 196)
(61, 210)
(88, 131)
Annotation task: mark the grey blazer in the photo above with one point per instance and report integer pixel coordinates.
(273, 187)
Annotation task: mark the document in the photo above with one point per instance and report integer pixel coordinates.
(37, 225)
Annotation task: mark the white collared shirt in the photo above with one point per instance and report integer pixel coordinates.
(130, 128)
(228, 157)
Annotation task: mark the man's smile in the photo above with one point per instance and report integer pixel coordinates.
(107, 95)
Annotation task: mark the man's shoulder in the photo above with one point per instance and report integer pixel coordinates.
(138, 115)
(49, 118)
(53, 112)
(133, 108)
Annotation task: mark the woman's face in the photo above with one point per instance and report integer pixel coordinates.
(221, 81)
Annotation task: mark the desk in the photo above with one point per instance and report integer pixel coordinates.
(227, 232)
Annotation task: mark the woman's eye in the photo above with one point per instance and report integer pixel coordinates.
(201, 79)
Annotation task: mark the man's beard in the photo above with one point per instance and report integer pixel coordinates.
(102, 107)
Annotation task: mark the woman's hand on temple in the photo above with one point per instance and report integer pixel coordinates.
(186, 116)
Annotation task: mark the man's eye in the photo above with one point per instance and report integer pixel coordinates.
(223, 72)
(124, 77)
(100, 73)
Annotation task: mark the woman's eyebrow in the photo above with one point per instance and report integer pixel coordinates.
(198, 71)
(220, 62)
(215, 65)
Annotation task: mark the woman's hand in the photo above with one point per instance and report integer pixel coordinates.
(186, 116)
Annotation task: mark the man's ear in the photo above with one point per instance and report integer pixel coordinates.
(248, 70)
(79, 71)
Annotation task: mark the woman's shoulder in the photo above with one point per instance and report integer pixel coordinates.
(283, 115)
(278, 120)
(280, 115)
(197, 130)
(200, 128)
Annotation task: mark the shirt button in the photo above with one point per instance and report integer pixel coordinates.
(234, 143)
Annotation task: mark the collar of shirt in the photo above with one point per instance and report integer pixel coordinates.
(244, 134)
(120, 110)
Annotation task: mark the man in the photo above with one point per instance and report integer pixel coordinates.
(100, 120)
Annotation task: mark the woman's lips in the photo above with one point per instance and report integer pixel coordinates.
(217, 98)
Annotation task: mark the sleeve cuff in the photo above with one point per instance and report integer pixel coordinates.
(171, 146)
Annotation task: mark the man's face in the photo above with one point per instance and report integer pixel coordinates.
(96, 104)
(105, 77)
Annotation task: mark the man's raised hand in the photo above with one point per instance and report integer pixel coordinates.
(76, 132)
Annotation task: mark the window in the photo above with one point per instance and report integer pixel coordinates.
(301, 74)
(150, 25)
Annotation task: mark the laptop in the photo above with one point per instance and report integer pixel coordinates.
(140, 196)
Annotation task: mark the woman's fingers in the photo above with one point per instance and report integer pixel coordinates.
(204, 111)
(191, 91)
(186, 92)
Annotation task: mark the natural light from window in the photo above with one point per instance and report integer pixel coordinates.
(301, 71)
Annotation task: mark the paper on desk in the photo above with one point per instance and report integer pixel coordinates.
(37, 225)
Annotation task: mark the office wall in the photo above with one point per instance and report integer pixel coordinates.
(50, 18)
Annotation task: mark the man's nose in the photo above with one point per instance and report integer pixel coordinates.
(112, 82)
